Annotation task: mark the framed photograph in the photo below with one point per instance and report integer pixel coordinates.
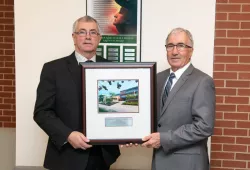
(118, 101)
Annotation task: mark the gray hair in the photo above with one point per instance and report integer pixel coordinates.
(188, 33)
(86, 18)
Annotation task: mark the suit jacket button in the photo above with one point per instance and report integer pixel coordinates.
(159, 125)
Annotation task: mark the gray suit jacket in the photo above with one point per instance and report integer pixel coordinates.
(185, 121)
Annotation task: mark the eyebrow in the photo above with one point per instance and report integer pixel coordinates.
(176, 43)
(86, 30)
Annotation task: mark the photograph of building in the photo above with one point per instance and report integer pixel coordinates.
(118, 96)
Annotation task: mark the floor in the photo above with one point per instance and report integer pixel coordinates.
(7, 148)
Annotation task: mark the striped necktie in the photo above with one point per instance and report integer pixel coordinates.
(167, 88)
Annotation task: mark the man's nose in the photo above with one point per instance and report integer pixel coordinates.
(175, 51)
(88, 36)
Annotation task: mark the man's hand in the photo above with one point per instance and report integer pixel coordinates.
(78, 140)
(129, 145)
(152, 141)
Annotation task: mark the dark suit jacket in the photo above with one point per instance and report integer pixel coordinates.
(185, 121)
(58, 111)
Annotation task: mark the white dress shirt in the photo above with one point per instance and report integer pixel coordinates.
(178, 73)
(81, 58)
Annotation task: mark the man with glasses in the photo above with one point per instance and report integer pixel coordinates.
(185, 110)
(58, 108)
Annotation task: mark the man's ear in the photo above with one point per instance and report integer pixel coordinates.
(100, 38)
(73, 37)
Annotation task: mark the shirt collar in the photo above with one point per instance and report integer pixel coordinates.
(180, 71)
(81, 58)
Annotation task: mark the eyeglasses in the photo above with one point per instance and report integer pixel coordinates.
(83, 33)
(179, 47)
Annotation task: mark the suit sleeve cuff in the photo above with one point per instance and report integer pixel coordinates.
(165, 141)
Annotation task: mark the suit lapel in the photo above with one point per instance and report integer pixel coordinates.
(100, 59)
(177, 87)
(75, 71)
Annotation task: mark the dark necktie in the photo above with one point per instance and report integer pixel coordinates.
(167, 88)
(89, 61)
